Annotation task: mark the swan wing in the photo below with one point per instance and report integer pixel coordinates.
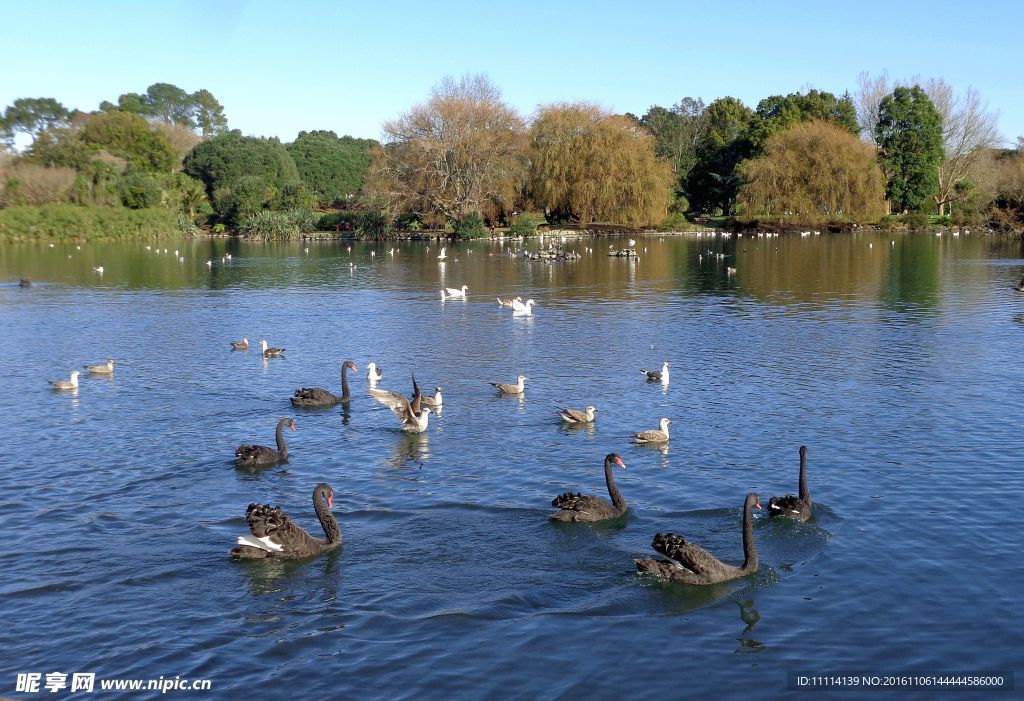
(691, 556)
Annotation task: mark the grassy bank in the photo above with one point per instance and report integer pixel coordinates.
(71, 223)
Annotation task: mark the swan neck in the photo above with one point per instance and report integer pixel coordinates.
(618, 501)
(749, 547)
(805, 493)
(344, 382)
(282, 449)
(332, 532)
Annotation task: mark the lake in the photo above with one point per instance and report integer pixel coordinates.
(896, 359)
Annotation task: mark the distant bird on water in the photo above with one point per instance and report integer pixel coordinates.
(1020, 285)
(240, 345)
(454, 293)
(658, 375)
(71, 383)
(271, 352)
(106, 368)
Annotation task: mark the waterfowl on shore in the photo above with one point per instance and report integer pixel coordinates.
(240, 345)
(658, 435)
(71, 383)
(517, 388)
(271, 352)
(795, 507)
(106, 368)
(273, 534)
(583, 507)
(691, 564)
(575, 416)
(658, 375)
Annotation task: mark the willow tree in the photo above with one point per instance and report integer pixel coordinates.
(459, 153)
(811, 173)
(590, 166)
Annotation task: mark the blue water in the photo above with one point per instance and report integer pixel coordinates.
(899, 365)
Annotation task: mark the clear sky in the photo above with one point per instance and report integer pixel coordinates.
(283, 67)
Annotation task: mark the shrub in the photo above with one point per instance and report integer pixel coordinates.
(676, 221)
(916, 220)
(470, 226)
(66, 221)
(335, 221)
(31, 184)
(276, 225)
(524, 224)
(373, 224)
(139, 191)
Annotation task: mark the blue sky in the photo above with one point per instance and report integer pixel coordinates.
(279, 68)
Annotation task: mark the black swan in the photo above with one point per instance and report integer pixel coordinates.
(790, 506)
(319, 397)
(276, 535)
(249, 455)
(692, 564)
(583, 507)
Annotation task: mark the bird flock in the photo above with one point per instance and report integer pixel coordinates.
(274, 535)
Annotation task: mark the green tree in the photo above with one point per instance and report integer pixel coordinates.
(333, 168)
(131, 137)
(32, 116)
(909, 137)
(199, 111)
(139, 191)
(777, 113)
(713, 182)
(242, 174)
(677, 131)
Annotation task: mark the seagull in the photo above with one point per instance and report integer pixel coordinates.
(653, 435)
(517, 388)
(66, 384)
(271, 352)
(508, 302)
(656, 375)
(442, 255)
(373, 373)
(106, 368)
(209, 264)
(99, 269)
(575, 416)
(632, 243)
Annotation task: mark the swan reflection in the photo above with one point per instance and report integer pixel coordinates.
(750, 616)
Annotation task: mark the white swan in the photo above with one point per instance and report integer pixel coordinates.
(521, 307)
(455, 293)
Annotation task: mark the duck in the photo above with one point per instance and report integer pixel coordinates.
(689, 563)
(575, 416)
(517, 388)
(273, 534)
(240, 345)
(658, 435)
(799, 507)
(106, 368)
(312, 397)
(71, 383)
(521, 307)
(252, 455)
(508, 302)
(455, 293)
(271, 352)
(373, 373)
(658, 375)
(583, 507)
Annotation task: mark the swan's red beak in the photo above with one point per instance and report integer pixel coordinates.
(757, 505)
(330, 502)
(292, 426)
(618, 461)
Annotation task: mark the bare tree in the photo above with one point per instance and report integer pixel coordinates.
(968, 130)
(870, 92)
(460, 152)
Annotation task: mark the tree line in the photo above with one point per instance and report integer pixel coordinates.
(464, 158)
